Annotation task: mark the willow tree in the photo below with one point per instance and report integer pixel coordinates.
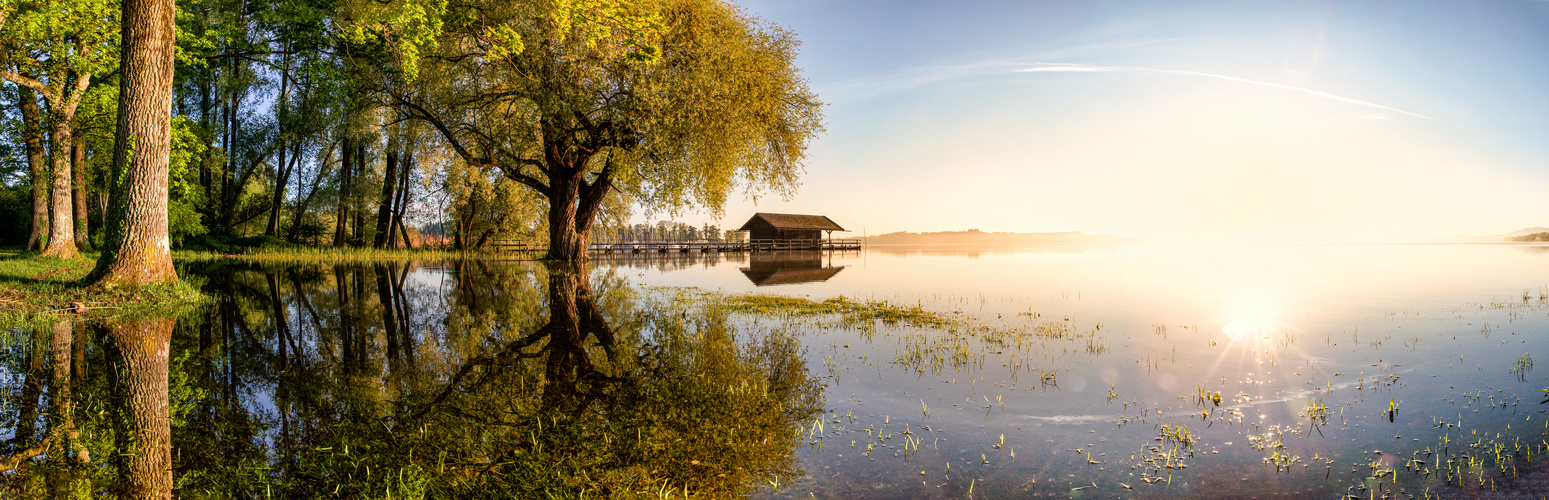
(55, 48)
(671, 102)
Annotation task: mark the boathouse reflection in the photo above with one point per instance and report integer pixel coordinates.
(785, 267)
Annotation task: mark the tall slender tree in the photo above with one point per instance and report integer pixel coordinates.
(137, 250)
(384, 213)
(78, 193)
(37, 165)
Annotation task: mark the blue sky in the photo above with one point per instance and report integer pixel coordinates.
(1246, 121)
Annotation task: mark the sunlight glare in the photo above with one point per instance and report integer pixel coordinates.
(1249, 316)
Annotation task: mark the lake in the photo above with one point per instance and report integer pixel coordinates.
(892, 372)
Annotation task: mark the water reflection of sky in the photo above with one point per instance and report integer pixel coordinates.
(1271, 329)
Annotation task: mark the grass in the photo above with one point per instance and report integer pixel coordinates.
(33, 288)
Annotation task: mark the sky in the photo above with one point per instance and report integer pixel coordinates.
(1172, 121)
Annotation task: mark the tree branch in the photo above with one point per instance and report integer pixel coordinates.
(30, 83)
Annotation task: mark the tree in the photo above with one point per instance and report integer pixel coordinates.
(37, 165)
(56, 47)
(672, 102)
(137, 250)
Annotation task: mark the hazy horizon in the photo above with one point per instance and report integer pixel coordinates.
(1260, 122)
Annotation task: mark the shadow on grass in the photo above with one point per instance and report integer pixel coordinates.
(33, 288)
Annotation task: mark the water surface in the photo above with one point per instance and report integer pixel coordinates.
(1394, 370)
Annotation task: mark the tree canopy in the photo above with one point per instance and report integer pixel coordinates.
(397, 122)
(668, 102)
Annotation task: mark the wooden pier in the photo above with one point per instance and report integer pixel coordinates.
(696, 246)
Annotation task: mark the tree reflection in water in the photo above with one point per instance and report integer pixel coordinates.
(472, 379)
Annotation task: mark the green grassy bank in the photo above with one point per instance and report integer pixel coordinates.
(33, 287)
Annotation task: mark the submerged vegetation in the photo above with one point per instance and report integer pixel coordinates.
(1013, 368)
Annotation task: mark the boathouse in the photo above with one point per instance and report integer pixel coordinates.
(788, 227)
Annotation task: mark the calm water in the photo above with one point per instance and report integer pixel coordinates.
(1400, 370)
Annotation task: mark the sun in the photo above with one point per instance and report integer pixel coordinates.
(1249, 316)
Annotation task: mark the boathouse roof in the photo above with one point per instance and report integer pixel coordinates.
(793, 221)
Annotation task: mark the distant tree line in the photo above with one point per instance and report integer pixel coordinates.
(669, 231)
(396, 123)
(1527, 238)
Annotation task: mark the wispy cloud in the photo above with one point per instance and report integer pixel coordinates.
(870, 86)
(1084, 68)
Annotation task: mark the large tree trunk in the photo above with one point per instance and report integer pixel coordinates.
(564, 242)
(78, 193)
(136, 250)
(145, 346)
(37, 165)
(61, 223)
(358, 205)
(282, 179)
(573, 206)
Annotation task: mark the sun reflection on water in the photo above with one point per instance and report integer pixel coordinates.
(1249, 318)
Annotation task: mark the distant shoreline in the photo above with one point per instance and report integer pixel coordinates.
(978, 238)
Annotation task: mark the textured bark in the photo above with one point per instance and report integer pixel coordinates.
(37, 165)
(61, 223)
(144, 344)
(136, 250)
(564, 243)
(78, 193)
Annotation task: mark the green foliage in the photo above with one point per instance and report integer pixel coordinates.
(55, 37)
(674, 103)
(184, 195)
(402, 28)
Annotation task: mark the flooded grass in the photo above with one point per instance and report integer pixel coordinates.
(987, 390)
